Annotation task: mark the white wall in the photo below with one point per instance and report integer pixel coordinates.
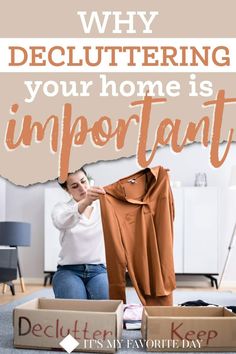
(2, 199)
(194, 158)
(26, 204)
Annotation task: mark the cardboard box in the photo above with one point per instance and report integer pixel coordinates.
(192, 329)
(43, 323)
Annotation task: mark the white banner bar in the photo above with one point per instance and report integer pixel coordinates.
(156, 55)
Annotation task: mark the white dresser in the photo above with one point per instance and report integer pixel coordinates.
(196, 230)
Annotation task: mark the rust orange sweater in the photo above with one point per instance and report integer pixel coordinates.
(137, 216)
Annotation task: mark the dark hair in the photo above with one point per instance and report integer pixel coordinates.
(64, 184)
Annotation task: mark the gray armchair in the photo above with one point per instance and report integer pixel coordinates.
(14, 234)
(8, 267)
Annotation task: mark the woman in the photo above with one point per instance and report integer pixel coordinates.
(81, 272)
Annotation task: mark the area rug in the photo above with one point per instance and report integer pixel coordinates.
(222, 298)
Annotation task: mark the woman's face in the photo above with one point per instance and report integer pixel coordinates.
(77, 185)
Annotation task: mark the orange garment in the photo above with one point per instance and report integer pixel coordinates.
(137, 217)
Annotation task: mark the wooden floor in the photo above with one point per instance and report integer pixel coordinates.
(8, 297)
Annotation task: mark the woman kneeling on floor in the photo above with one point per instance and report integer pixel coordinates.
(81, 271)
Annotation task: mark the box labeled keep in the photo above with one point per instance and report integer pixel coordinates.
(43, 323)
(191, 329)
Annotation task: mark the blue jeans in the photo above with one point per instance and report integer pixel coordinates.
(82, 281)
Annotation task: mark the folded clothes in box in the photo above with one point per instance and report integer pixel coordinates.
(132, 316)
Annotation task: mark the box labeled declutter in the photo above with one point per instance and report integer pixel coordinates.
(192, 329)
(44, 323)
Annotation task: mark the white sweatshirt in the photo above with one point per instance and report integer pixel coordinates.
(81, 239)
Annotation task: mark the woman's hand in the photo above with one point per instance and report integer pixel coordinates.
(92, 194)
